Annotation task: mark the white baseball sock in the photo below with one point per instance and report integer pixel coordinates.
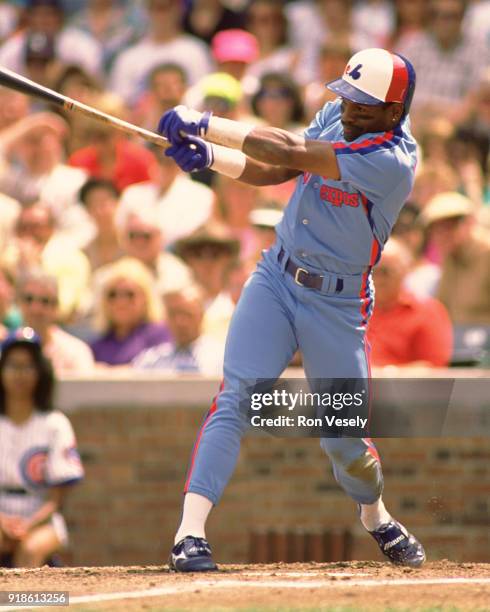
(374, 515)
(194, 516)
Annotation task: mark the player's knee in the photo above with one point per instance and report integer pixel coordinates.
(366, 469)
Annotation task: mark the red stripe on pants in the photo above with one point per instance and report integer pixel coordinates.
(212, 410)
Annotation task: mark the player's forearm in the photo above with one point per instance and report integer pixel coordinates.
(265, 144)
(237, 165)
(292, 151)
(260, 174)
(275, 147)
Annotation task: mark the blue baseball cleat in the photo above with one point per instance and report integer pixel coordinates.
(192, 554)
(400, 546)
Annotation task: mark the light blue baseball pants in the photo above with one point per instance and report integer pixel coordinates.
(273, 318)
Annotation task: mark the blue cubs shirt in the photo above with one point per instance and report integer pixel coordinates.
(342, 226)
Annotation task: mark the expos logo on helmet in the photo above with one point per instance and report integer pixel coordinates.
(375, 76)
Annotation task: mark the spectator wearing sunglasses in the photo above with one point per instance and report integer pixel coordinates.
(278, 102)
(37, 242)
(143, 239)
(128, 313)
(38, 300)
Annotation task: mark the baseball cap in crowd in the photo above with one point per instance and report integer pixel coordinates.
(22, 335)
(375, 76)
(235, 46)
(39, 47)
(265, 216)
(221, 85)
(447, 205)
(212, 235)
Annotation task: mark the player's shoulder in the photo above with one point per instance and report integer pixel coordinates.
(393, 154)
(385, 145)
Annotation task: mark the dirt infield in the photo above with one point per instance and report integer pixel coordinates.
(335, 587)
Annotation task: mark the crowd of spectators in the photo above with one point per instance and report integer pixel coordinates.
(114, 258)
(118, 259)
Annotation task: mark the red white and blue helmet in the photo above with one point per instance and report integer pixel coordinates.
(376, 76)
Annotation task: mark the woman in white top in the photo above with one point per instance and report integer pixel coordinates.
(38, 454)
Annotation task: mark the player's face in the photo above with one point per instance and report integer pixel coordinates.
(359, 119)
(19, 373)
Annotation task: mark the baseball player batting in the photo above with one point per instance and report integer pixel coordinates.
(313, 290)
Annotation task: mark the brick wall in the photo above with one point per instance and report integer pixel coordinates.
(136, 452)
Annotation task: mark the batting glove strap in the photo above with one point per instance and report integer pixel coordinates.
(203, 124)
(181, 121)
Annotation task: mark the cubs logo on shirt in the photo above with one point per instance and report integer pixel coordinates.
(33, 466)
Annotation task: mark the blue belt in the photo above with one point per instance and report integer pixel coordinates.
(304, 278)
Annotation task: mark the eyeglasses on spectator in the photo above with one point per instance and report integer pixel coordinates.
(126, 294)
(135, 235)
(44, 300)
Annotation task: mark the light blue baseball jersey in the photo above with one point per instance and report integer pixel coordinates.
(342, 226)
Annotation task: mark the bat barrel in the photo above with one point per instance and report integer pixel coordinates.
(12, 80)
(26, 86)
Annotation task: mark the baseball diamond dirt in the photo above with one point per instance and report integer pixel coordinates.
(331, 587)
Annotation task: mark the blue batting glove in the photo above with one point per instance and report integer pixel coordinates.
(192, 154)
(175, 124)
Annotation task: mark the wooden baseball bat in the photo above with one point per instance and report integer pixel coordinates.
(26, 86)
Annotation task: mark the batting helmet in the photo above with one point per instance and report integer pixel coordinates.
(376, 76)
